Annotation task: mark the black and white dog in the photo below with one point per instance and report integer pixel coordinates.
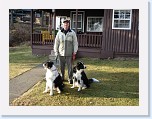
(80, 79)
(53, 78)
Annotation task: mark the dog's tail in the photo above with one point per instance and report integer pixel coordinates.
(93, 80)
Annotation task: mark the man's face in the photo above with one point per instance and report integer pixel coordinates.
(65, 26)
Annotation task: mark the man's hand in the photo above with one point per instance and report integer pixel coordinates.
(73, 56)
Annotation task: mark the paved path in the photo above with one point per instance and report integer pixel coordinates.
(25, 81)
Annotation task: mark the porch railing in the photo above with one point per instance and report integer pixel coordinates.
(42, 39)
(84, 40)
(89, 40)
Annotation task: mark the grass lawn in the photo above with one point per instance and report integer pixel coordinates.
(21, 60)
(118, 86)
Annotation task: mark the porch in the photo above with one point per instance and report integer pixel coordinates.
(89, 45)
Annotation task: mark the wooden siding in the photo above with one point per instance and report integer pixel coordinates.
(121, 41)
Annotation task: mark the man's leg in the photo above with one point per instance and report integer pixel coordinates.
(62, 66)
(70, 71)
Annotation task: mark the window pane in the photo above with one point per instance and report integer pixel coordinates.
(78, 25)
(74, 17)
(79, 17)
(94, 24)
(127, 16)
(124, 24)
(116, 23)
(122, 14)
(116, 14)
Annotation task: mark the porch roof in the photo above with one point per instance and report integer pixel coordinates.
(66, 12)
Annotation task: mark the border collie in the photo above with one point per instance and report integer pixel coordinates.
(80, 79)
(53, 78)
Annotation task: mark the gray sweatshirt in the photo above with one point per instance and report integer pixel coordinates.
(65, 45)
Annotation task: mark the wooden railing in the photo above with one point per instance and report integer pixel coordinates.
(89, 40)
(84, 40)
(41, 39)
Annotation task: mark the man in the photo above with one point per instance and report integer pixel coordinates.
(65, 47)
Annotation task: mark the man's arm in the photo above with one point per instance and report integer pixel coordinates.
(75, 43)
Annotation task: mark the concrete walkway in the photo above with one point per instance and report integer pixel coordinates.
(23, 82)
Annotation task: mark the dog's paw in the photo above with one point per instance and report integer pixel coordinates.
(51, 94)
(84, 87)
(79, 89)
(59, 92)
(44, 91)
(72, 87)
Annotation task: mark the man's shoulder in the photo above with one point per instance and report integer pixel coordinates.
(59, 32)
(72, 31)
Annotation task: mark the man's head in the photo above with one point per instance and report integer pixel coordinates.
(66, 24)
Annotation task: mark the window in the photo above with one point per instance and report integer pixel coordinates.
(80, 20)
(121, 19)
(37, 15)
(94, 24)
(79, 23)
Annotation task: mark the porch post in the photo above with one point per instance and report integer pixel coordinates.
(54, 23)
(76, 23)
(31, 27)
(42, 20)
(50, 23)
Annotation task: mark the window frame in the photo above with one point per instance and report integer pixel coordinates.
(77, 21)
(83, 18)
(119, 19)
(94, 17)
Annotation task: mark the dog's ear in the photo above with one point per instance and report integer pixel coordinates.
(49, 64)
(74, 69)
(46, 64)
(52, 63)
(78, 63)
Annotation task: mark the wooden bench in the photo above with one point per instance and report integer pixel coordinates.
(46, 36)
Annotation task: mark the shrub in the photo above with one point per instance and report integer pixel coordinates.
(19, 33)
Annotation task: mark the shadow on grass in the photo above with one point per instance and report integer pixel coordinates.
(111, 62)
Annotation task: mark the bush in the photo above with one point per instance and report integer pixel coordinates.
(19, 33)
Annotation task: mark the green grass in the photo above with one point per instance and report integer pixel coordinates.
(21, 60)
(118, 86)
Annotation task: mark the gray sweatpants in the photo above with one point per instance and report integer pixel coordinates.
(66, 60)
